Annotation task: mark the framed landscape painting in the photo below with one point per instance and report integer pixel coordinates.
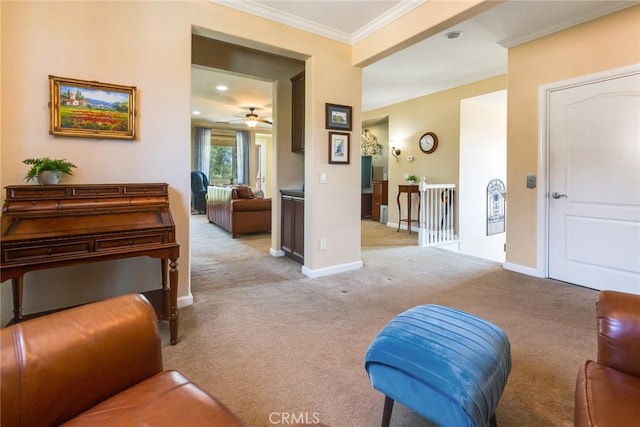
(91, 109)
(338, 117)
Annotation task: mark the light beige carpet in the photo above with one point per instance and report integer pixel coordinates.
(276, 346)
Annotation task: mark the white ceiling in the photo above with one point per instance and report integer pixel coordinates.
(432, 65)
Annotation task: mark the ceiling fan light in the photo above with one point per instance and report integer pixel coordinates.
(251, 120)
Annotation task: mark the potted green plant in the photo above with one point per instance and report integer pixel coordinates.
(412, 179)
(47, 170)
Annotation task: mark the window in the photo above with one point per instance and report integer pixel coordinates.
(222, 165)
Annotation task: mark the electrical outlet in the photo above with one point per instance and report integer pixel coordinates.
(406, 176)
(323, 244)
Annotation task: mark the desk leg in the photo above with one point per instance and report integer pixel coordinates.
(16, 285)
(173, 316)
(166, 292)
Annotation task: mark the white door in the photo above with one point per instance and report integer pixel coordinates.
(594, 184)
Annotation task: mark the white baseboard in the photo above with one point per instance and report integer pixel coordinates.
(276, 253)
(524, 270)
(185, 300)
(331, 270)
(453, 245)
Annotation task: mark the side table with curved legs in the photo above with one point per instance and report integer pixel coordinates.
(409, 190)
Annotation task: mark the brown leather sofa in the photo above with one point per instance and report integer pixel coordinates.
(99, 364)
(236, 209)
(608, 390)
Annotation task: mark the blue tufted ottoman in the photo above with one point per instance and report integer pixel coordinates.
(447, 365)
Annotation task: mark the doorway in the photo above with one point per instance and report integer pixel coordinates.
(483, 159)
(593, 180)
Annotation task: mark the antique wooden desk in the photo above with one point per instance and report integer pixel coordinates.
(409, 190)
(48, 226)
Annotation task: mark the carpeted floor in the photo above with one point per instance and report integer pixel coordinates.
(277, 347)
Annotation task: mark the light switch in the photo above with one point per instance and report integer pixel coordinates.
(323, 177)
(531, 180)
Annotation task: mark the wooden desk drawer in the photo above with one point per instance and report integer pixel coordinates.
(120, 242)
(139, 190)
(95, 190)
(35, 192)
(98, 202)
(30, 205)
(44, 251)
(149, 200)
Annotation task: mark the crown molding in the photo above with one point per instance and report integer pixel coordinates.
(275, 15)
(385, 19)
(253, 8)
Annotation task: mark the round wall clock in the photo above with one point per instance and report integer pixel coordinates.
(428, 142)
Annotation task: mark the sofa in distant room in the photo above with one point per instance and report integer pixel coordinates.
(238, 209)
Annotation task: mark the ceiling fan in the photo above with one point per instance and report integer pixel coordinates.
(251, 119)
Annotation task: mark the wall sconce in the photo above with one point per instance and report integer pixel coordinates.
(395, 152)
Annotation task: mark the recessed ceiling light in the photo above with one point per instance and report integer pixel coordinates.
(453, 35)
(222, 88)
(196, 113)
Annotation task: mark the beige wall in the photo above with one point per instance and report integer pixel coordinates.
(148, 45)
(438, 113)
(609, 42)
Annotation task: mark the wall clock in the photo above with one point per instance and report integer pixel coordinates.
(428, 142)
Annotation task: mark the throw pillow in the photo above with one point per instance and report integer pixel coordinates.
(244, 192)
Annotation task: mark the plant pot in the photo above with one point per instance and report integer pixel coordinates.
(49, 177)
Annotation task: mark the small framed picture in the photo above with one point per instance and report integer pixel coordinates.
(91, 109)
(338, 117)
(339, 148)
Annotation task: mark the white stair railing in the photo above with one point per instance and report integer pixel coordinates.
(437, 213)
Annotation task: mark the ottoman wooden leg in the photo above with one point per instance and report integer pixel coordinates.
(386, 413)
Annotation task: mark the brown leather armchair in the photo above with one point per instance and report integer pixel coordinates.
(608, 390)
(99, 364)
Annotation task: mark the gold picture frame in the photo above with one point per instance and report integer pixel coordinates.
(91, 109)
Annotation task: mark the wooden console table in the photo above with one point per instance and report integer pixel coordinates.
(48, 226)
(409, 190)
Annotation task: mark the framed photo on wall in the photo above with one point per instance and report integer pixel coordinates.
(338, 117)
(339, 148)
(91, 109)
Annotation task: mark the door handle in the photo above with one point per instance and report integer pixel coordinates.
(557, 195)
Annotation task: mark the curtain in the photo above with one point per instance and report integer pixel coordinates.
(243, 141)
(201, 152)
